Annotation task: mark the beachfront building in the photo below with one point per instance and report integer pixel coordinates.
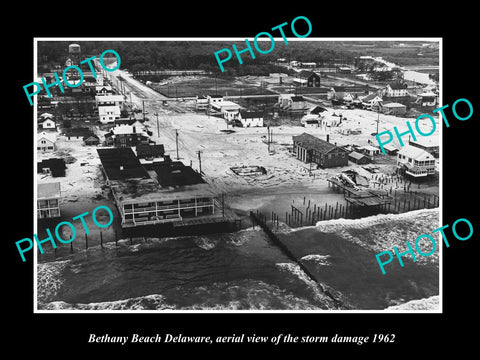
(176, 194)
(309, 148)
(415, 162)
(430, 144)
(48, 200)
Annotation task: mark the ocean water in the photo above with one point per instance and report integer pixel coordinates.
(241, 271)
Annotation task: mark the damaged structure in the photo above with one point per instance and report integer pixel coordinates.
(170, 193)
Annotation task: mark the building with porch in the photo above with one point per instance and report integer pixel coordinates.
(48, 200)
(174, 194)
(415, 162)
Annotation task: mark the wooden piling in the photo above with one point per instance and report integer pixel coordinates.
(101, 240)
(86, 241)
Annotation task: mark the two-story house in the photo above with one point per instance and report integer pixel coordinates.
(415, 162)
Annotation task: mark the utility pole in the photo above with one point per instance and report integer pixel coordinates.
(199, 161)
(158, 126)
(268, 138)
(176, 141)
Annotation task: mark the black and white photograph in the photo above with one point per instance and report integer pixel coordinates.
(262, 187)
(200, 178)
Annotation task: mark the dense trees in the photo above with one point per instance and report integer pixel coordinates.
(160, 55)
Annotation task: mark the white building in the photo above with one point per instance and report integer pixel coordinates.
(371, 101)
(45, 142)
(396, 90)
(103, 89)
(415, 161)
(250, 118)
(48, 200)
(107, 100)
(108, 114)
(48, 124)
(214, 98)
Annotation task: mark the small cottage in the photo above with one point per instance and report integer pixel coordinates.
(45, 142)
(309, 148)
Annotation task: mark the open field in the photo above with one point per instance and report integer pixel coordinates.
(193, 86)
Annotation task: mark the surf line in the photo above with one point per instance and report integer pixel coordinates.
(261, 220)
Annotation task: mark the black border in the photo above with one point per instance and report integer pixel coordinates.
(428, 333)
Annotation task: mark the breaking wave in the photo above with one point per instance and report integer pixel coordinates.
(318, 259)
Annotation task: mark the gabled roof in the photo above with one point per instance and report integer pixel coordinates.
(415, 153)
(370, 97)
(356, 155)
(311, 142)
(91, 137)
(251, 114)
(397, 86)
(44, 135)
(317, 110)
(306, 74)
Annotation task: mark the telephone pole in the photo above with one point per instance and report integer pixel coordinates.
(158, 126)
(199, 161)
(176, 141)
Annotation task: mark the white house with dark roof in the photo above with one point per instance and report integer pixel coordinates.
(415, 162)
(48, 123)
(371, 101)
(396, 90)
(250, 118)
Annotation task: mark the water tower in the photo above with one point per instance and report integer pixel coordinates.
(74, 54)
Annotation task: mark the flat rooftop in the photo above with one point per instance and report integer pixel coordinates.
(121, 164)
(133, 184)
(175, 174)
(48, 190)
